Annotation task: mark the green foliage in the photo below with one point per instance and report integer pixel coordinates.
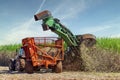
(65, 46)
(112, 44)
(9, 48)
(7, 52)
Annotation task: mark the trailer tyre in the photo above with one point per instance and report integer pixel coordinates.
(58, 67)
(29, 67)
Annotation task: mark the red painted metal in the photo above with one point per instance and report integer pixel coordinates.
(43, 51)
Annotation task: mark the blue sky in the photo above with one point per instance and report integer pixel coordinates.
(99, 17)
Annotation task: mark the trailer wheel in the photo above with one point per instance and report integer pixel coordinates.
(12, 65)
(28, 67)
(20, 65)
(58, 67)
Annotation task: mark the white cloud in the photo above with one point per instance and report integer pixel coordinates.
(95, 29)
(69, 9)
(41, 5)
(72, 8)
(115, 36)
(16, 34)
(23, 30)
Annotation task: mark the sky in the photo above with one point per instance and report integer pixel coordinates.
(98, 17)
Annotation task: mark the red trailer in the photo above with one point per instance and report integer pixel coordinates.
(41, 53)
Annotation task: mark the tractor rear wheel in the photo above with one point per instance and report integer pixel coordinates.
(12, 65)
(20, 65)
(58, 67)
(29, 67)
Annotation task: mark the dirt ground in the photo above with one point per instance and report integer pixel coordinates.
(65, 75)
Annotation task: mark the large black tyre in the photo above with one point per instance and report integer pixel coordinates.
(28, 67)
(58, 67)
(12, 65)
(20, 65)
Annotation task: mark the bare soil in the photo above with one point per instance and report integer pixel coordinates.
(65, 75)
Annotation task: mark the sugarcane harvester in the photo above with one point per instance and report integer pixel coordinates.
(72, 41)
